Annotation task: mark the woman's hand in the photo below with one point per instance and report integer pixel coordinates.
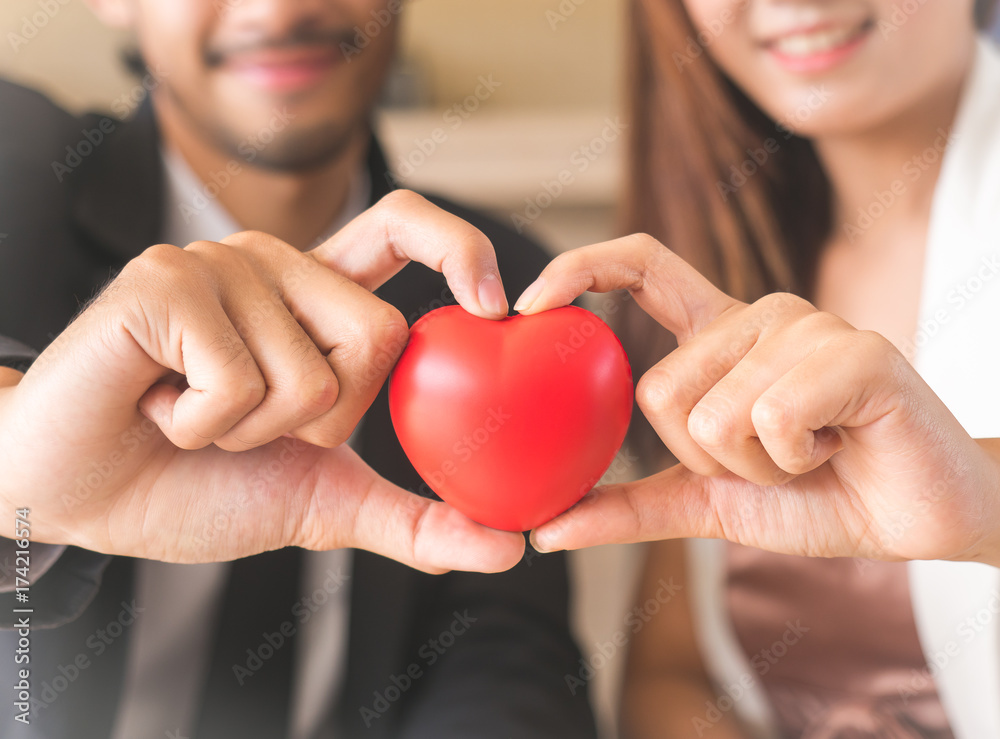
(794, 431)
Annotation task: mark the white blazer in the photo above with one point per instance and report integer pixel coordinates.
(956, 605)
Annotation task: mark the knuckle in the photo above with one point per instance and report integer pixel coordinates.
(214, 256)
(778, 311)
(213, 261)
(707, 426)
(655, 393)
(317, 392)
(644, 241)
(160, 262)
(381, 338)
(389, 328)
(771, 415)
(255, 247)
(649, 257)
(160, 254)
(823, 322)
(202, 248)
(873, 343)
(404, 199)
(249, 238)
(784, 303)
(876, 351)
(249, 388)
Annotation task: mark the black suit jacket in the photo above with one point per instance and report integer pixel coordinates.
(64, 234)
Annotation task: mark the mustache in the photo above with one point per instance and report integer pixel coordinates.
(216, 55)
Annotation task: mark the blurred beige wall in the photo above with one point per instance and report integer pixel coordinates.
(545, 53)
(60, 48)
(548, 53)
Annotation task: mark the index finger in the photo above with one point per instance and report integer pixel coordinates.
(669, 289)
(402, 227)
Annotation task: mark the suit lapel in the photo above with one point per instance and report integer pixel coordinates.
(78, 668)
(382, 592)
(118, 203)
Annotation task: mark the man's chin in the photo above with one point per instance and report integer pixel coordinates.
(280, 150)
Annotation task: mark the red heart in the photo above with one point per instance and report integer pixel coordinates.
(511, 421)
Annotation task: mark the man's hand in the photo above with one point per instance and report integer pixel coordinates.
(795, 432)
(197, 410)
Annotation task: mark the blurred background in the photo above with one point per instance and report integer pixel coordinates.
(553, 80)
(491, 103)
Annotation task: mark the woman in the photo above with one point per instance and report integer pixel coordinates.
(849, 151)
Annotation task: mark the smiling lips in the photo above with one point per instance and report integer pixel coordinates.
(285, 70)
(819, 48)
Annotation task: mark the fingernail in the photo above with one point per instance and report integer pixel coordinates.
(154, 413)
(491, 296)
(540, 543)
(827, 435)
(530, 295)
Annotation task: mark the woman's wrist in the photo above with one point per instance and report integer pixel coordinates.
(988, 552)
(9, 377)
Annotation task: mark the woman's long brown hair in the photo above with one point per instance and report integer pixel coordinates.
(690, 127)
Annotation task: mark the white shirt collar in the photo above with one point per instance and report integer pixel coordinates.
(192, 211)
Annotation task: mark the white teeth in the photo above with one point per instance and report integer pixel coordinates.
(807, 44)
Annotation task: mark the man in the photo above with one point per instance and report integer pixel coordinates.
(259, 121)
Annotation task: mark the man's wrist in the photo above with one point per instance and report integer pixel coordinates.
(15, 355)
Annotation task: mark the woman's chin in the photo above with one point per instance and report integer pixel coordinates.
(814, 120)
